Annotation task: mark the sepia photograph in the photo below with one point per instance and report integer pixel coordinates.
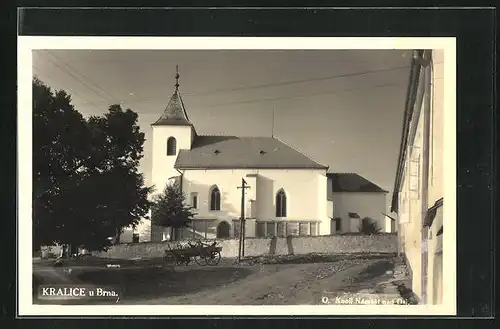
(237, 176)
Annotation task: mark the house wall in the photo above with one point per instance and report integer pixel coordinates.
(365, 204)
(436, 184)
(410, 214)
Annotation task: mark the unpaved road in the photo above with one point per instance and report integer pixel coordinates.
(253, 284)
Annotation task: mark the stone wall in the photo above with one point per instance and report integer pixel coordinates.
(380, 243)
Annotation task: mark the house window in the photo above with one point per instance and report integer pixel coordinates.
(215, 198)
(135, 238)
(414, 173)
(171, 146)
(194, 200)
(281, 204)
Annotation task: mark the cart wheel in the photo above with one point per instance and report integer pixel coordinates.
(214, 258)
(200, 260)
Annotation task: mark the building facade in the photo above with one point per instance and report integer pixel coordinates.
(418, 189)
(287, 193)
(353, 198)
(285, 190)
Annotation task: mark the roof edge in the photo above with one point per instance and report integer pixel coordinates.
(248, 167)
(411, 92)
(380, 190)
(307, 156)
(187, 124)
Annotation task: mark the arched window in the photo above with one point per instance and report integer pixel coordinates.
(215, 198)
(281, 204)
(171, 146)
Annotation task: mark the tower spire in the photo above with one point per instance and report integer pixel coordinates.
(177, 78)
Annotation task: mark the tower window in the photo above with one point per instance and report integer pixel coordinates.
(215, 199)
(171, 146)
(281, 204)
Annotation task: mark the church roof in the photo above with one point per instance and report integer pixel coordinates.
(351, 182)
(228, 152)
(175, 113)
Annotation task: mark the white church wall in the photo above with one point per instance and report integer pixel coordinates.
(163, 165)
(305, 191)
(365, 204)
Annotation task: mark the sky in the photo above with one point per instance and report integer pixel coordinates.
(342, 108)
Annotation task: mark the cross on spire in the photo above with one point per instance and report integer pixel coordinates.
(177, 78)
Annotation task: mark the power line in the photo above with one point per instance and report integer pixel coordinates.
(303, 95)
(75, 77)
(290, 97)
(82, 75)
(70, 92)
(284, 83)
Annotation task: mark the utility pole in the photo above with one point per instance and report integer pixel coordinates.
(272, 128)
(241, 249)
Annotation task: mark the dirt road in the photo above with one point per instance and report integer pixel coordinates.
(251, 284)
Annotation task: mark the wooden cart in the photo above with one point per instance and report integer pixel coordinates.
(199, 252)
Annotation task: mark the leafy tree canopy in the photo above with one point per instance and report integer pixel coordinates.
(86, 181)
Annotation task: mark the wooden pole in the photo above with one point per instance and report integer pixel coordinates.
(241, 249)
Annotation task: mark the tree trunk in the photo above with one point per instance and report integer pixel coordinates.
(171, 233)
(117, 237)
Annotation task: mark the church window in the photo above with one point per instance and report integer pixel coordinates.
(215, 198)
(171, 146)
(194, 200)
(281, 204)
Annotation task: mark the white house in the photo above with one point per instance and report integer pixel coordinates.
(418, 188)
(353, 198)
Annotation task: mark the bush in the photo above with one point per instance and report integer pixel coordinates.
(368, 226)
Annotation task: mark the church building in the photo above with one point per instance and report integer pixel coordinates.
(286, 194)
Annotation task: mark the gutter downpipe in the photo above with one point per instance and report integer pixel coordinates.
(427, 58)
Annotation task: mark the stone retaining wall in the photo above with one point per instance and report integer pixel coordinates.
(380, 243)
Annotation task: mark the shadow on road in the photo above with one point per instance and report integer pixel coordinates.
(377, 272)
(137, 284)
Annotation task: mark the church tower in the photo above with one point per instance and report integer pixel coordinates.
(172, 132)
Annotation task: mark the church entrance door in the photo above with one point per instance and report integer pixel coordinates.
(223, 230)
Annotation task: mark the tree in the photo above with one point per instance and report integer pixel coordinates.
(87, 187)
(59, 134)
(170, 210)
(368, 226)
(117, 146)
